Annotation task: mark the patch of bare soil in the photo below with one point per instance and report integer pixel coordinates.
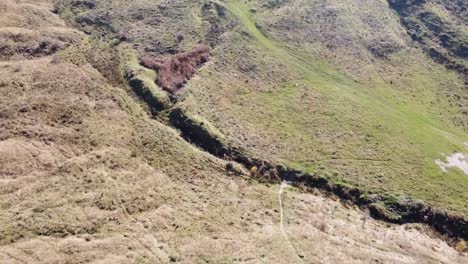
(175, 71)
(456, 160)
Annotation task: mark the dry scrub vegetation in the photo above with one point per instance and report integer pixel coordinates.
(30, 30)
(174, 72)
(87, 176)
(35, 43)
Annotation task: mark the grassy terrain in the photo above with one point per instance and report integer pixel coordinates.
(341, 103)
(313, 117)
(88, 175)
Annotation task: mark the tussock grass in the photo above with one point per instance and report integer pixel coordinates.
(313, 117)
(86, 175)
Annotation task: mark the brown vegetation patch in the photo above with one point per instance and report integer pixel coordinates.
(175, 71)
(20, 42)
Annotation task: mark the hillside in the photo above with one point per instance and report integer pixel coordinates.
(154, 131)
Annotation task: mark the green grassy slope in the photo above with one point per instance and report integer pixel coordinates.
(375, 137)
(333, 88)
(89, 175)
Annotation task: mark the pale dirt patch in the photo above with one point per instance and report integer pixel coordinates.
(456, 160)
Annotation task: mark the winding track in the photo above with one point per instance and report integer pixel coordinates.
(284, 185)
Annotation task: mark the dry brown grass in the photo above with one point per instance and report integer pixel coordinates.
(32, 41)
(29, 14)
(86, 176)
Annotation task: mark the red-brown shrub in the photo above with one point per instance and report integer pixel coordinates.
(175, 71)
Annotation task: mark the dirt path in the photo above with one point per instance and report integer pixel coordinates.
(284, 185)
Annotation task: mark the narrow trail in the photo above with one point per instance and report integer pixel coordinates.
(284, 184)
